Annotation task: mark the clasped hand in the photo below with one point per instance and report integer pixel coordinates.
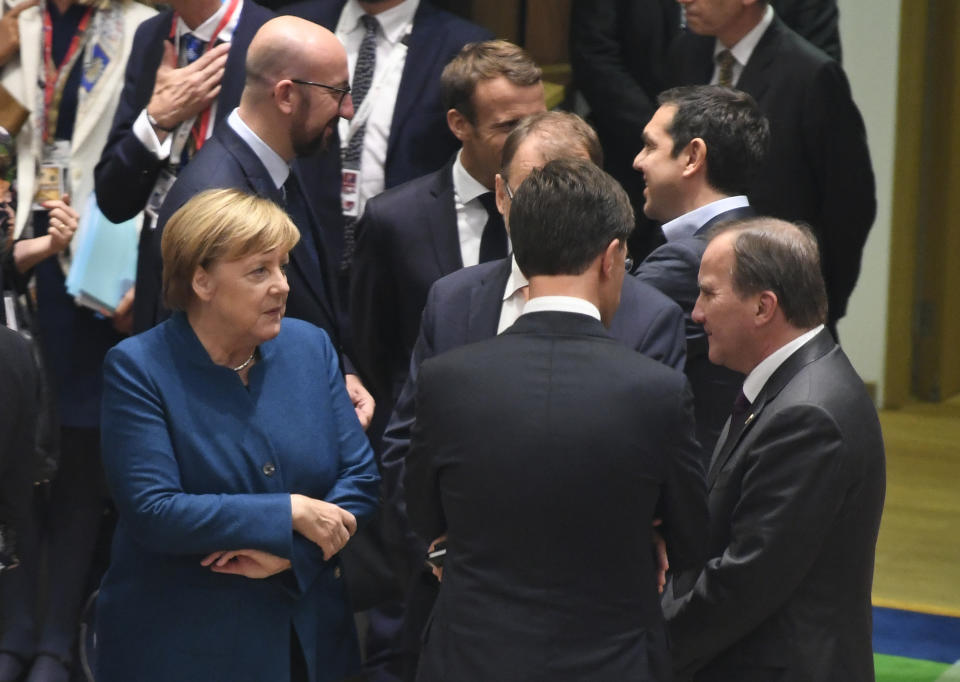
(182, 93)
(323, 523)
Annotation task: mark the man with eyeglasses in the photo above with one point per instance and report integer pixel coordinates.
(184, 76)
(481, 301)
(296, 90)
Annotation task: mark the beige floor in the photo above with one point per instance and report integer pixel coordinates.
(918, 553)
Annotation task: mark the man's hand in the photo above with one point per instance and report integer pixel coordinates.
(10, 31)
(180, 94)
(324, 524)
(63, 223)
(123, 314)
(250, 563)
(362, 400)
(436, 570)
(660, 551)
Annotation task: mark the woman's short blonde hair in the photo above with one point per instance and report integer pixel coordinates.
(218, 225)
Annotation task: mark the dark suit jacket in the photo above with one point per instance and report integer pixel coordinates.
(674, 269)
(127, 172)
(464, 308)
(420, 140)
(816, 20)
(227, 161)
(545, 453)
(818, 169)
(18, 418)
(795, 505)
(407, 239)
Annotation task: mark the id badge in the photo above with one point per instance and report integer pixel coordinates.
(159, 194)
(350, 193)
(52, 174)
(10, 311)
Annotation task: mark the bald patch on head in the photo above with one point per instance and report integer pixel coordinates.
(289, 47)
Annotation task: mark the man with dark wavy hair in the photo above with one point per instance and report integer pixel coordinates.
(701, 152)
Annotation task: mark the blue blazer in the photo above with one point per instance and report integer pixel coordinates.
(420, 140)
(464, 308)
(673, 268)
(127, 171)
(197, 463)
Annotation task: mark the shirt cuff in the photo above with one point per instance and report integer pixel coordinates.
(148, 136)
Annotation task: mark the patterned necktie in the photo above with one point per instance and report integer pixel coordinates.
(493, 242)
(350, 157)
(725, 60)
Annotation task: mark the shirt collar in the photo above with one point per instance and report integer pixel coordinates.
(562, 304)
(744, 48)
(278, 169)
(205, 30)
(687, 224)
(760, 374)
(516, 281)
(465, 185)
(393, 21)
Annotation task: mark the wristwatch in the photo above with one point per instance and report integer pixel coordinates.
(153, 122)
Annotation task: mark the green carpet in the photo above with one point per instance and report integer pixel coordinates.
(899, 669)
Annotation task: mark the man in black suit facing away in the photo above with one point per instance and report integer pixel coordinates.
(818, 170)
(545, 453)
(796, 484)
(701, 151)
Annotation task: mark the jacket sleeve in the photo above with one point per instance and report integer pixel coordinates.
(127, 170)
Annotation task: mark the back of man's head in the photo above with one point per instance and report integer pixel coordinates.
(782, 257)
(483, 61)
(559, 134)
(565, 215)
(734, 130)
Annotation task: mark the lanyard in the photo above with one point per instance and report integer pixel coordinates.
(55, 79)
(201, 126)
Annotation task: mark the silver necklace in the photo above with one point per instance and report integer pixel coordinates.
(245, 363)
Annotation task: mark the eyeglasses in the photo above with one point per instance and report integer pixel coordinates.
(628, 264)
(507, 187)
(343, 91)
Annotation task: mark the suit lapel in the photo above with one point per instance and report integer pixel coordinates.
(816, 348)
(440, 210)
(486, 300)
(754, 79)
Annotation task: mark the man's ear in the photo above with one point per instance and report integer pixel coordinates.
(202, 284)
(696, 157)
(459, 125)
(767, 306)
(500, 194)
(283, 96)
(610, 258)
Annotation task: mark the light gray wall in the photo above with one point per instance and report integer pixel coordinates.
(869, 32)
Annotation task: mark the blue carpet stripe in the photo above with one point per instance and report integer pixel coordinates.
(916, 635)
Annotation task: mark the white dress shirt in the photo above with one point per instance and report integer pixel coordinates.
(395, 24)
(561, 304)
(743, 49)
(141, 127)
(514, 297)
(687, 224)
(273, 162)
(471, 215)
(760, 374)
